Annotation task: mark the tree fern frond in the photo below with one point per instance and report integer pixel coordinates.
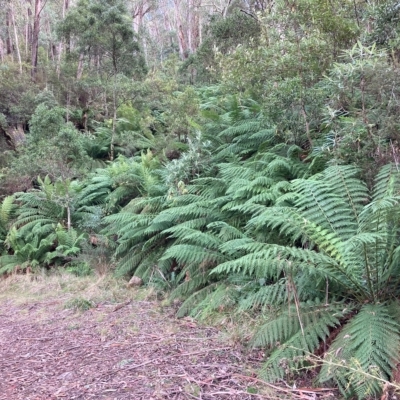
(297, 340)
(7, 207)
(187, 254)
(129, 262)
(193, 236)
(224, 297)
(344, 181)
(225, 231)
(244, 127)
(194, 299)
(370, 343)
(387, 183)
(271, 295)
(317, 203)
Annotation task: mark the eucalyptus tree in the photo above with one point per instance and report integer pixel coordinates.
(102, 38)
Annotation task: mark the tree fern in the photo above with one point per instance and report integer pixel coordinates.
(296, 334)
(7, 211)
(262, 293)
(368, 347)
(25, 255)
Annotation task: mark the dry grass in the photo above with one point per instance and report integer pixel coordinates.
(22, 289)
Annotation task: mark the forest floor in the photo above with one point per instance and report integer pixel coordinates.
(82, 338)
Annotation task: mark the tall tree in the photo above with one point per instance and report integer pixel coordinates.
(35, 37)
(109, 52)
(16, 37)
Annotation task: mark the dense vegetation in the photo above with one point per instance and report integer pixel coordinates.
(243, 159)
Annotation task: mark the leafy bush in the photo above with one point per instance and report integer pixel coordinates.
(79, 269)
(79, 304)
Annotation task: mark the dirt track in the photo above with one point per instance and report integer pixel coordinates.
(125, 351)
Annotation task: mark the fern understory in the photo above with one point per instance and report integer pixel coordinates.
(241, 223)
(313, 253)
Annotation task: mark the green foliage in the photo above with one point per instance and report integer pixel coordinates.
(7, 210)
(46, 122)
(367, 347)
(121, 181)
(43, 232)
(69, 243)
(53, 147)
(349, 249)
(224, 243)
(224, 34)
(275, 193)
(360, 122)
(17, 94)
(181, 237)
(299, 333)
(116, 46)
(79, 269)
(298, 42)
(79, 304)
(385, 28)
(25, 255)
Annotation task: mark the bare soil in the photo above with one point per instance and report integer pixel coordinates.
(132, 349)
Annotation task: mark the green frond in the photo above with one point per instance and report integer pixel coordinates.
(297, 336)
(248, 208)
(271, 295)
(188, 254)
(192, 279)
(193, 236)
(328, 210)
(190, 303)
(224, 297)
(286, 220)
(269, 261)
(7, 208)
(387, 183)
(129, 262)
(225, 231)
(150, 269)
(380, 214)
(367, 347)
(344, 181)
(243, 128)
(9, 262)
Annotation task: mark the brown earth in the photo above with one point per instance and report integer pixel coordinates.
(133, 349)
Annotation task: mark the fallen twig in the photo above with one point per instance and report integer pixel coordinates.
(291, 391)
(119, 306)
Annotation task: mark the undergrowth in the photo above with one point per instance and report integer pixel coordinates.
(65, 286)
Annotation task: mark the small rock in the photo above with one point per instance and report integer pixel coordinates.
(135, 281)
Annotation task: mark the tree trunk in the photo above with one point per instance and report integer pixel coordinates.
(80, 67)
(114, 120)
(68, 218)
(9, 45)
(52, 51)
(60, 44)
(16, 38)
(35, 38)
(1, 51)
(179, 29)
(28, 29)
(194, 24)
